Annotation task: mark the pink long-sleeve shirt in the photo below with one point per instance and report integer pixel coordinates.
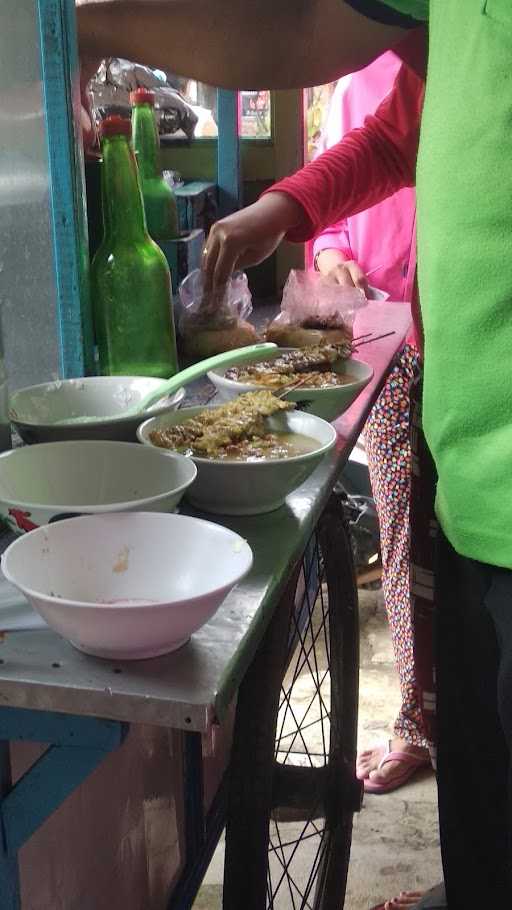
(381, 238)
(353, 180)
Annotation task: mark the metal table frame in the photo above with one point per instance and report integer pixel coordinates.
(81, 706)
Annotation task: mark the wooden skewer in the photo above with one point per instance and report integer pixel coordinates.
(291, 388)
(377, 338)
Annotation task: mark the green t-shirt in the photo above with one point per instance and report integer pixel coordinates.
(464, 187)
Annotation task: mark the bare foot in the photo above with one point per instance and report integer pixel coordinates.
(367, 766)
(405, 899)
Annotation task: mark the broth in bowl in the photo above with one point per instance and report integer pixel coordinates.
(236, 431)
(268, 446)
(247, 463)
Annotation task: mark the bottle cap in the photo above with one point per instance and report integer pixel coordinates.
(142, 96)
(115, 126)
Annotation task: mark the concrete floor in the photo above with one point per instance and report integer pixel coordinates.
(395, 841)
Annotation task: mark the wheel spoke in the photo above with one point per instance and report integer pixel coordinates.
(304, 890)
(298, 732)
(285, 875)
(305, 652)
(316, 865)
(317, 697)
(287, 863)
(312, 680)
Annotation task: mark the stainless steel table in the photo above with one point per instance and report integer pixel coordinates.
(83, 706)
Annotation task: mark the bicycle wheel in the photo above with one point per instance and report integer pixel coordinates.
(293, 787)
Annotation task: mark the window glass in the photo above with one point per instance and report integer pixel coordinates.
(316, 109)
(255, 115)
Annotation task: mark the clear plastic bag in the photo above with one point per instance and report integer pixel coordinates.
(311, 301)
(211, 322)
(219, 309)
(110, 94)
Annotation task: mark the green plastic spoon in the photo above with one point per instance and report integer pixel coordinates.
(228, 358)
(168, 386)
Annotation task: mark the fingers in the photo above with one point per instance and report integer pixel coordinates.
(341, 274)
(357, 275)
(220, 255)
(350, 274)
(230, 247)
(242, 239)
(209, 261)
(229, 252)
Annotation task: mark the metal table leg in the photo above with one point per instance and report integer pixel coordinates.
(77, 745)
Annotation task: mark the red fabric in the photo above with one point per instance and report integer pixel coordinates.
(369, 163)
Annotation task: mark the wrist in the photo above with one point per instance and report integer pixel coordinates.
(286, 212)
(328, 259)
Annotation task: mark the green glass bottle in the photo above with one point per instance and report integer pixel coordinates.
(130, 279)
(159, 199)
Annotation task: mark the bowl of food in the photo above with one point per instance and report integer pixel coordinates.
(52, 411)
(323, 380)
(54, 480)
(125, 586)
(250, 453)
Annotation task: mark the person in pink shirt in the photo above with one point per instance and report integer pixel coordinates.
(370, 171)
(380, 239)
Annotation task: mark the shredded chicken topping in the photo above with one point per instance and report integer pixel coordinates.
(214, 429)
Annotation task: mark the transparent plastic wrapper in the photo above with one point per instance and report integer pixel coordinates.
(214, 321)
(110, 94)
(314, 310)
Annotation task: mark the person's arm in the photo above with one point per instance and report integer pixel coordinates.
(241, 43)
(365, 167)
(249, 236)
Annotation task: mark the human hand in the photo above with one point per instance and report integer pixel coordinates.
(347, 272)
(249, 236)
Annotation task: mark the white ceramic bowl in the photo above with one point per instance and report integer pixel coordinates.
(327, 403)
(127, 586)
(249, 488)
(44, 483)
(40, 412)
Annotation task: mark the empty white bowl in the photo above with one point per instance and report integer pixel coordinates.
(327, 403)
(49, 412)
(250, 487)
(127, 586)
(44, 483)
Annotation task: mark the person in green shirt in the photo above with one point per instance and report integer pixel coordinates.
(464, 190)
(464, 187)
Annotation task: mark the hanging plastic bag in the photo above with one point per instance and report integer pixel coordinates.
(213, 321)
(314, 311)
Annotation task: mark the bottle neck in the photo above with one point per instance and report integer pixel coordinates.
(123, 208)
(145, 141)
